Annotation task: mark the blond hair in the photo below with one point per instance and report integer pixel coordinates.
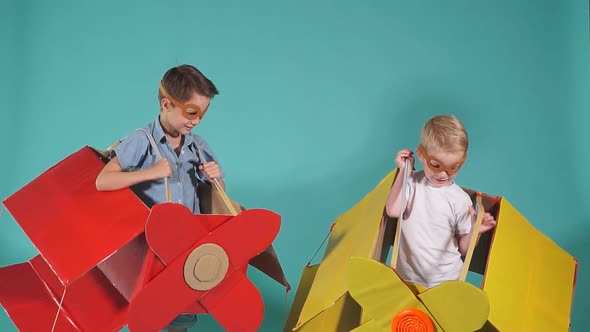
(444, 133)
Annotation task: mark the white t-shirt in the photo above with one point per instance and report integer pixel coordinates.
(428, 249)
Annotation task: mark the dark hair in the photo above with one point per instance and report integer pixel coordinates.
(182, 81)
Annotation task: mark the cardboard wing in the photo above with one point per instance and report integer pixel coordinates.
(74, 228)
(322, 301)
(528, 280)
(70, 222)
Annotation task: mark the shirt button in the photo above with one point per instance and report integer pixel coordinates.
(180, 201)
(179, 183)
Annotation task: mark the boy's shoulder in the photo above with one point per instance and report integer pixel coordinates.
(199, 140)
(459, 196)
(417, 176)
(138, 138)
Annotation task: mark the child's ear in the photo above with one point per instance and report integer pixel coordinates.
(165, 104)
(420, 158)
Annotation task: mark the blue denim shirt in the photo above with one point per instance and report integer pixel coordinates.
(135, 153)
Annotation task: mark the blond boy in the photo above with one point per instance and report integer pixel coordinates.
(438, 215)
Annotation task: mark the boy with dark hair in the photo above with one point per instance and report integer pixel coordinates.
(171, 169)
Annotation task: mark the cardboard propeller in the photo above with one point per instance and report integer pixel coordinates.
(209, 270)
(389, 304)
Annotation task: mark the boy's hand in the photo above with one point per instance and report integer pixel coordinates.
(402, 155)
(161, 169)
(488, 222)
(211, 170)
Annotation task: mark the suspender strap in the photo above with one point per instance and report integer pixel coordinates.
(158, 157)
(479, 210)
(217, 185)
(402, 203)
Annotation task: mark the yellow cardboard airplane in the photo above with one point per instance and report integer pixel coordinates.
(528, 280)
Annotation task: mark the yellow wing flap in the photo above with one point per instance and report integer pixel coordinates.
(354, 234)
(529, 279)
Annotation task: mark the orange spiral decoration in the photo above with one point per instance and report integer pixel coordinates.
(411, 320)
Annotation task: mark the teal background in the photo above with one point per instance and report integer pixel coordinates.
(316, 99)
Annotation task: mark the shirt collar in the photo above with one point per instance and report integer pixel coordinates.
(159, 136)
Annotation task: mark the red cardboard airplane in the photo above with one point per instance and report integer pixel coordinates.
(106, 260)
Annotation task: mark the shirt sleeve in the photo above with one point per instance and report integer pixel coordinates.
(411, 187)
(131, 151)
(408, 195)
(462, 215)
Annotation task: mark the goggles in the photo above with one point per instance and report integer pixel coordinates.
(436, 165)
(189, 111)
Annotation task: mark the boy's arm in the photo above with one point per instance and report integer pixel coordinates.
(212, 171)
(488, 222)
(392, 205)
(112, 176)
